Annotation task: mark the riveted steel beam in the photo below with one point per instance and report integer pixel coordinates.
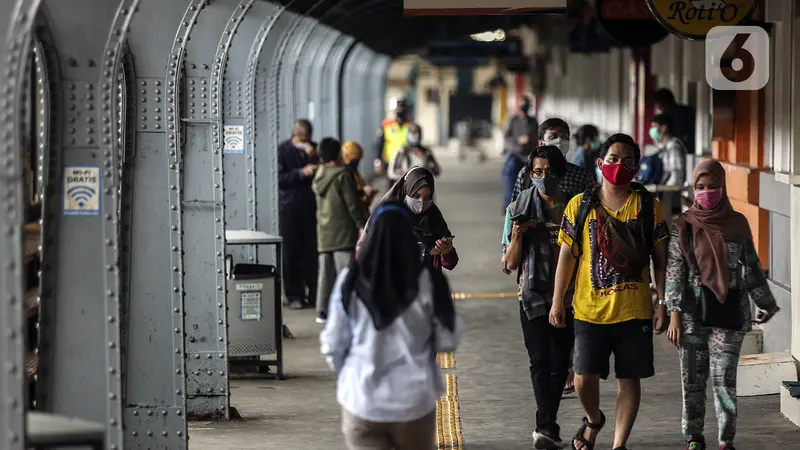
(17, 19)
(238, 98)
(324, 39)
(267, 117)
(331, 82)
(203, 202)
(155, 384)
(285, 69)
(355, 113)
(80, 373)
(301, 75)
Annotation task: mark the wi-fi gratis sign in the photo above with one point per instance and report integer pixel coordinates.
(233, 139)
(82, 191)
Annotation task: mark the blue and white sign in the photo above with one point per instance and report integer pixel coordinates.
(233, 139)
(82, 191)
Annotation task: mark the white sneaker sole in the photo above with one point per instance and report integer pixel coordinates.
(320, 320)
(542, 442)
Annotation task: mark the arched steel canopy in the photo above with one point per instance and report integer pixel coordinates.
(380, 24)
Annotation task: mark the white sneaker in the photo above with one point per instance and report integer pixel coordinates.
(542, 441)
(320, 320)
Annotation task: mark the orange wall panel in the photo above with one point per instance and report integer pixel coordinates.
(741, 138)
(719, 149)
(759, 226)
(742, 182)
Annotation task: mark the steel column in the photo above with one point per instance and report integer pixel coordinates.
(239, 170)
(155, 391)
(299, 68)
(80, 367)
(267, 116)
(332, 69)
(204, 216)
(284, 73)
(17, 20)
(355, 98)
(327, 37)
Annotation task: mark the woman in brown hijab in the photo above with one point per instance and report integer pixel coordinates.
(709, 307)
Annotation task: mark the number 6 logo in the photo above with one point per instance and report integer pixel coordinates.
(737, 58)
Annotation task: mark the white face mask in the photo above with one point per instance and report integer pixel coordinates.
(562, 145)
(416, 205)
(413, 139)
(301, 145)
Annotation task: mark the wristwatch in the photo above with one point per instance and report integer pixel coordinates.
(661, 302)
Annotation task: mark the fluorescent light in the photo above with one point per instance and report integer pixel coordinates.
(489, 36)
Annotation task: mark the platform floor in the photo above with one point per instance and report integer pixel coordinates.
(494, 395)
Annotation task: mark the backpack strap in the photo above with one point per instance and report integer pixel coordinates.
(646, 219)
(589, 201)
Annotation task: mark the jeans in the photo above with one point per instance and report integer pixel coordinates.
(549, 350)
(511, 169)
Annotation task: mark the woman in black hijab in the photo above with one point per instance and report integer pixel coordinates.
(415, 191)
(389, 315)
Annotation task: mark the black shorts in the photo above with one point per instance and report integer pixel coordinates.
(630, 342)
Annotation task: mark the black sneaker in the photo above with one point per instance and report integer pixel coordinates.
(322, 318)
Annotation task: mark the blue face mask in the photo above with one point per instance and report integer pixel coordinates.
(547, 186)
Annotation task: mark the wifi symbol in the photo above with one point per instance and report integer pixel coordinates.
(81, 194)
(233, 142)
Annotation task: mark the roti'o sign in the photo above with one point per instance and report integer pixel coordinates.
(693, 19)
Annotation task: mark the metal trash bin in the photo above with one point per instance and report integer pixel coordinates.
(252, 301)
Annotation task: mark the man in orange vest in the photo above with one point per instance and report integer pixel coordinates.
(392, 137)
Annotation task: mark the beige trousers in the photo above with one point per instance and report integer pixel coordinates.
(362, 434)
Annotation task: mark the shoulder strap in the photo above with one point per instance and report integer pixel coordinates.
(645, 220)
(690, 238)
(588, 202)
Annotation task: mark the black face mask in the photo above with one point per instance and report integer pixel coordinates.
(525, 108)
(353, 165)
(401, 115)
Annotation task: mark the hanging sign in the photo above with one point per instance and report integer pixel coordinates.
(233, 139)
(693, 19)
(82, 191)
(482, 7)
(629, 23)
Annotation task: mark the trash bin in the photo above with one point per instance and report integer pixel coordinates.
(252, 301)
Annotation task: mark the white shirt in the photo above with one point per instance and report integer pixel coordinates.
(389, 375)
(673, 158)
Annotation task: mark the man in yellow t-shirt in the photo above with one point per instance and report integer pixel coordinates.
(614, 312)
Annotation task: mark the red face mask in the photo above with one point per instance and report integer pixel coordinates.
(617, 175)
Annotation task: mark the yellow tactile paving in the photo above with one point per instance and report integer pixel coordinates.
(448, 417)
(446, 360)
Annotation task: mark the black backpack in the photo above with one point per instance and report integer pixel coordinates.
(644, 221)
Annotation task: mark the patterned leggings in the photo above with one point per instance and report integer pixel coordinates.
(713, 351)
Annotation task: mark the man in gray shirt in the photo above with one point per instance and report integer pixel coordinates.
(520, 139)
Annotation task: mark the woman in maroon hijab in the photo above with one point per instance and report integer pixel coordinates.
(713, 268)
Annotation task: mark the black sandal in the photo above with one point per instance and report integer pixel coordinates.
(586, 424)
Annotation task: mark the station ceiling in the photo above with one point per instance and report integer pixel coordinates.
(380, 24)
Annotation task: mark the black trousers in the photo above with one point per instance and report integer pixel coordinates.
(299, 232)
(549, 350)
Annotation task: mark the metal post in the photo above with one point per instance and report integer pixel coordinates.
(17, 18)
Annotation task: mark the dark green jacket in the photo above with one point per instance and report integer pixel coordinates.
(340, 211)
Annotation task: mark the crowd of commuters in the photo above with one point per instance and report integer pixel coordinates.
(584, 285)
(585, 241)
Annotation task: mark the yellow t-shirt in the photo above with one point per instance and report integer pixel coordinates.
(602, 294)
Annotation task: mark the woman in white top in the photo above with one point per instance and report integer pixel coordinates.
(388, 316)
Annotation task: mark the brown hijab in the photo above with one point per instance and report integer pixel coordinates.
(710, 227)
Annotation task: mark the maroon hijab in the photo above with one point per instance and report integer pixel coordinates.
(710, 227)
